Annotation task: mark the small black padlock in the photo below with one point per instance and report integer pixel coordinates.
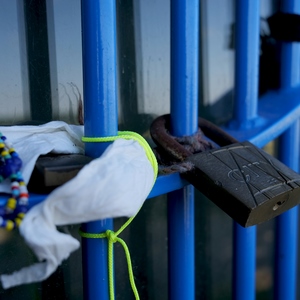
(248, 184)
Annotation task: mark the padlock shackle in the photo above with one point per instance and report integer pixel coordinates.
(215, 133)
(160, 132)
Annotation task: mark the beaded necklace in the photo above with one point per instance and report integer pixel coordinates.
(12, 214)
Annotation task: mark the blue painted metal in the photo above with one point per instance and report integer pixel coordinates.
(184, 118)
(287, 224)
(290, 52)
(245, 115)
(277, 111)
(181, 244)
(101, 119)
(286, 255)
(184, 66)
(166, 184)
(244, 262)
(246, 66)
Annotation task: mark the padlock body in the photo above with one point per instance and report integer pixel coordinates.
(247, 183)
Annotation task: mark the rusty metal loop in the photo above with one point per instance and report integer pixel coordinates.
(160, 131)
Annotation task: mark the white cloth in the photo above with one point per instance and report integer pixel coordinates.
(114, 185)
(32, 141)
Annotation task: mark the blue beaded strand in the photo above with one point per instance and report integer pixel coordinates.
(16, 206)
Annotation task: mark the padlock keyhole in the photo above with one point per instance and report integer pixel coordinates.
(278, 204)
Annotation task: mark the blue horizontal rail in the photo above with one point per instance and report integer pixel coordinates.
(277, 111)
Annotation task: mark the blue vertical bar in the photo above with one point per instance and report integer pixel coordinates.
(244, 262)
(246, 61)
(101, 119)
(246, 94)
(184, 114)
(184, 66)
(287, 223)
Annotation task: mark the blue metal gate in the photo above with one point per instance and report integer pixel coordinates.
(257, 119)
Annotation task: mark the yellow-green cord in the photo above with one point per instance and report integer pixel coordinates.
(129, 135)
(112, 236)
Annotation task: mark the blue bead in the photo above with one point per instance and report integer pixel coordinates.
(17, 163)
(2, 171)
(8, 168)
(13, 177)
(22, 209)
(11, 167)
(19, 176)
(2, 211)
(16, 193)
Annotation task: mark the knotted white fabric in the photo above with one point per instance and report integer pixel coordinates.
(114, 185)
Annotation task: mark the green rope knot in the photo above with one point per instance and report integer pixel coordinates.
(112, 237)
